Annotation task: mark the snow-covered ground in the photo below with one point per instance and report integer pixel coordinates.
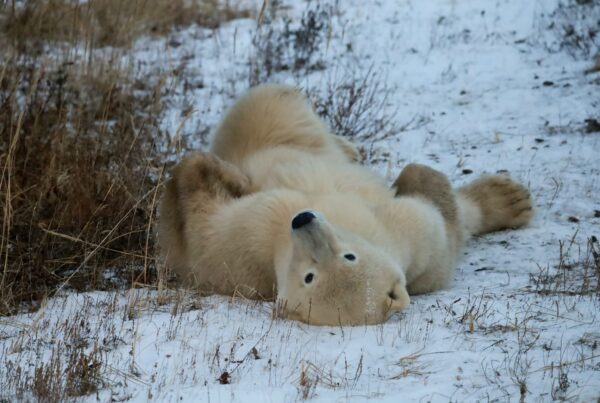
(521, 319)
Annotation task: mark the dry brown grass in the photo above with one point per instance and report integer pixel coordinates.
(109, 22)
(81, 156)
(78, 171)
(577, 271)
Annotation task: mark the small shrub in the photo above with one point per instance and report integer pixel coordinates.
(357, 106)
(280, 45)
(576, 27)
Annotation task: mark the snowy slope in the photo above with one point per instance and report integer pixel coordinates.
(521, 319)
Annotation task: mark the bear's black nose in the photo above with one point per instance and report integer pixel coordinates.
(302, 219)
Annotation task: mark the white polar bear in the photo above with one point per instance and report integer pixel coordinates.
(280, 208)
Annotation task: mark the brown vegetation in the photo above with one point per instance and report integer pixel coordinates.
(81, 154)
(108, 22)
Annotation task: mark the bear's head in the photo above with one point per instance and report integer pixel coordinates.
(329, 276)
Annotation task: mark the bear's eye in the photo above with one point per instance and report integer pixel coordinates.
(309, 278)
(350, 257)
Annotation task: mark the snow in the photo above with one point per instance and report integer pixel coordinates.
(475, 72)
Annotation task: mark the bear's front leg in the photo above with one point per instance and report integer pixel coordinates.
(198, 186)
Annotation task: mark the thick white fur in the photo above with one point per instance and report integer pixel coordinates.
(289, 163)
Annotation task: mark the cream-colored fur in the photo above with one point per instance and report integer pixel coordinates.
(281, 209)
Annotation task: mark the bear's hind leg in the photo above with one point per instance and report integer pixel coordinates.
(503, 203)
(428, 184)
(421, 180)
(490, 203)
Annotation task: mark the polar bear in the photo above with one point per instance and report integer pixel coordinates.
(280, 209)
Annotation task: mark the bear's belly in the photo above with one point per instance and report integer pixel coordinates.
(314, 174)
